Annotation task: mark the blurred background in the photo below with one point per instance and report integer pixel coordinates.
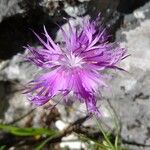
(127, 21)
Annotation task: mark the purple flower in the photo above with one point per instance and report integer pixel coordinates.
(74, 69)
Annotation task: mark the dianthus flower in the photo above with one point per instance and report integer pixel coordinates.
(74, 69)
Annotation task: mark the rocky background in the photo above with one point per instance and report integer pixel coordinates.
(128, 22)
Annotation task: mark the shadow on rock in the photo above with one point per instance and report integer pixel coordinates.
(15, 31)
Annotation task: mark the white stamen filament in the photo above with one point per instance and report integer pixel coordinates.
(74, 61)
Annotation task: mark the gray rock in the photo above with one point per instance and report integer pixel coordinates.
(131, 94)
(14, 74)
(17, 69)
(9, 8)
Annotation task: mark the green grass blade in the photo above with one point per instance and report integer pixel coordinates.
(41, 145)
(26, 131)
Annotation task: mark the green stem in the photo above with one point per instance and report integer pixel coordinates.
(104, 134)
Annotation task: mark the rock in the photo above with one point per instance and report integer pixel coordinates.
(9, 8)
(5, 87)
(131, 95)
(75, 11)
(17, 70)
(14, 74)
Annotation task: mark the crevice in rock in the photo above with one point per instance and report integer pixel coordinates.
(5, 90)
(128, 7)
(15, 32)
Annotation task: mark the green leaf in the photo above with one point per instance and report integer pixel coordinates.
(26, 131)
(2, 147)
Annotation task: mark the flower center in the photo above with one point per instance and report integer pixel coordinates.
(74, 61)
